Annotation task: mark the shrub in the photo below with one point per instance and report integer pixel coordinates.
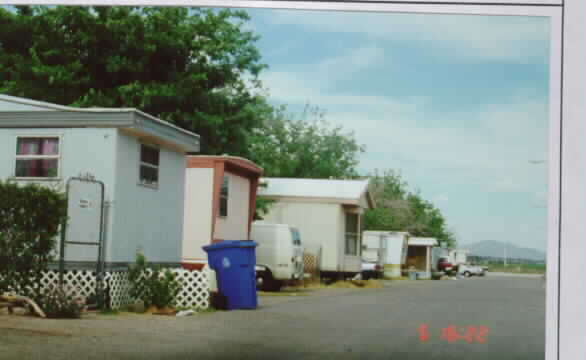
(153, 286)
(60, 302)
(30, 217)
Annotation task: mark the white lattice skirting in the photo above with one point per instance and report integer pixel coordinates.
(194, 290)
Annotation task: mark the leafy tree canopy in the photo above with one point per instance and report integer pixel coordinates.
(398, 209)
(304, 146)
(197, 68)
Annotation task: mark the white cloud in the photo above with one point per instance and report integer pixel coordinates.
(400, 127)
(463, 37)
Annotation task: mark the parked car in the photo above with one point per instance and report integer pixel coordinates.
(444, 265)
(468, 270)
(279, 255)
(371, 270)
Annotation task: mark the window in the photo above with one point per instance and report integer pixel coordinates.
(296, 237)
(352, 234)
(224, 197)
(37, 157)
(149, 165)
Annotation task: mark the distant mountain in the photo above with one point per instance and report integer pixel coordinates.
(496, 249)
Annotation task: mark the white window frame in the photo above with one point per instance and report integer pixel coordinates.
(141, 164)
(57, 157)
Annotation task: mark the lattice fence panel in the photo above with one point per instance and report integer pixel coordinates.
(118, 287)
(194, 292)
(195, 288)
(311, 263)
(84, 281)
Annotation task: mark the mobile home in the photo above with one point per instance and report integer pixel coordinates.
(419, 255)
(137, 157)
(220, 202)
(329, 214)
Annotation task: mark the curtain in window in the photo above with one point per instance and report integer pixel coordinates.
(31, 167)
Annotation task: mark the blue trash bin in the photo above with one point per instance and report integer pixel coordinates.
(234, 263)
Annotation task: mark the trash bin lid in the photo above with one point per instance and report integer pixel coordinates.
(230, 244)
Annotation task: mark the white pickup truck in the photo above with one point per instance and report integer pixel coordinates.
(279, 255)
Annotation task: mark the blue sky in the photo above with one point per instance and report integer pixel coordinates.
(457, 104)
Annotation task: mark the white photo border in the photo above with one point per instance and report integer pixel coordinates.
(566, 249)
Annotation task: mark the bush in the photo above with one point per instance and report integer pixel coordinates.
(59, 302)
(154, 287)
(30, 217)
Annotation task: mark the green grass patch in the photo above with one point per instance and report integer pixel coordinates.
(518, 268)
(110, 312)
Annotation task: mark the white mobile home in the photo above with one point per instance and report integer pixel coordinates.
(139, 158)
(329, 214)
(387, 247)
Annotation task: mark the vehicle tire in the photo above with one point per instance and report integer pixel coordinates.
(266, 282)
(467, 274)
(261, 279)
(274, 285)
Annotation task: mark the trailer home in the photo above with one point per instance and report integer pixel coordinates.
(419, 256)
(137, 158)
(220, 202)
(329, 214)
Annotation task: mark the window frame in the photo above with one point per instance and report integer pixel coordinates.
(356, 234)
(57, 157)
(226, 181)
(149, 165)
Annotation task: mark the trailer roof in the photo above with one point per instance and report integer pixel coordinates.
(351, 190)
(422, 241)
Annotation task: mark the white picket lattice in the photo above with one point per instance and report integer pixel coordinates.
(118, 287)
(83, 281)
(195, 288)
(194, 291)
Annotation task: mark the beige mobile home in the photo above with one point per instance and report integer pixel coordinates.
(329, 214)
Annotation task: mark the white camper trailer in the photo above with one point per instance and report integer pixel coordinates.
(389, 248)
(458, 256)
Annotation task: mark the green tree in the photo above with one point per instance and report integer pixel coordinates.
(304, 146)
(197, 68)
(399, 209)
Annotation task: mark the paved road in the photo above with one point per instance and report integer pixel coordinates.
(327, 324)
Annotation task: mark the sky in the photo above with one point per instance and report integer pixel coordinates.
(458, 104)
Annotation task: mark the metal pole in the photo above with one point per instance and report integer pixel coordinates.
(100, 270)
(63, 238)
